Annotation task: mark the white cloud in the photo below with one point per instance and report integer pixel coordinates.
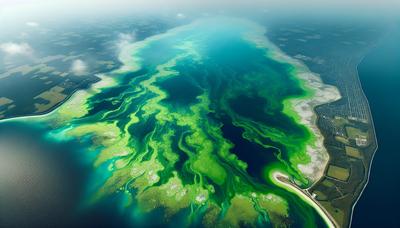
(125, 39)
(32, 24)
(79, 67)
(12, 48)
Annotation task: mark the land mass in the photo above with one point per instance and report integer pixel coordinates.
(347, 126)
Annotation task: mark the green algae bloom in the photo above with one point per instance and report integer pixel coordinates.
(190, 125)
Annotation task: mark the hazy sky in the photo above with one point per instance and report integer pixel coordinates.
(19, 9)
(153, 4)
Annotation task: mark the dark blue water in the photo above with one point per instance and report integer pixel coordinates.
(380, 77)
(44, 183)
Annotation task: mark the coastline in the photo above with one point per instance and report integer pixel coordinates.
(364, 181)
(318, 93)
(72, 97)
(280, 179)
(305, 108)
(379, 77)
(372, 125)
(125, 57)
(52, 109)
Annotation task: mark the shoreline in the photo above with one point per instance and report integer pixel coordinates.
(70, 98)
(52, 109)
(282, 180)
(304, 107)
(374, 138)
(374, 133)
(125, 58)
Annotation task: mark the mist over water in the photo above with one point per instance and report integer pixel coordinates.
(16, 13)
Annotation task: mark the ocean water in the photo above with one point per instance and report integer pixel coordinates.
(380, 77)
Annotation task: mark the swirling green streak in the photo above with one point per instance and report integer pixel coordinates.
(170, 147)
